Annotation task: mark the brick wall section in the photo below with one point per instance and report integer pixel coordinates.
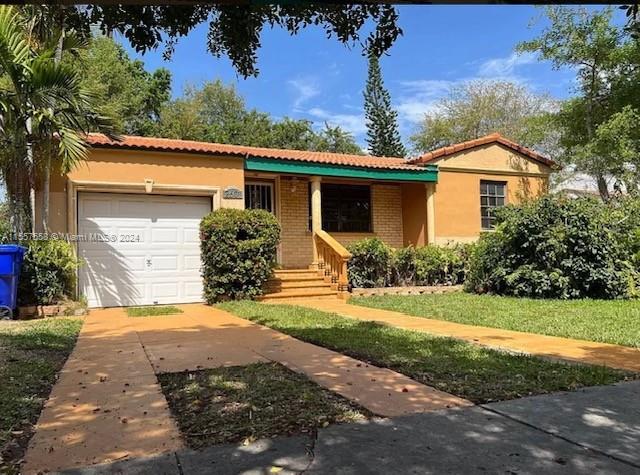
(296, 245)
(297, 250)
(387, 213)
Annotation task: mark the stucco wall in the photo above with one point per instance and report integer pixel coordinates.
(128, 166)
(457, 197)
(296, 247)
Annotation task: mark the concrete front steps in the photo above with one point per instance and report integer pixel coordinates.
(292, 284)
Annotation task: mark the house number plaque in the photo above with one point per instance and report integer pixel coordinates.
(232, 193)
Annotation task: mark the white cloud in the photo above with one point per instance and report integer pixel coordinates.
(421, 96)
(353, 123)
(505, 68)
(305, 88)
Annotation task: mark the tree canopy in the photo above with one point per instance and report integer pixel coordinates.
(216, 112)
(474, 109)
(235, 29)
(130, 95)
(597, 125)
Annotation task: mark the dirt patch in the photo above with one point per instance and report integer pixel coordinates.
(246, 403)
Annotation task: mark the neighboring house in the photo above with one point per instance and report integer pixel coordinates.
(135, 205)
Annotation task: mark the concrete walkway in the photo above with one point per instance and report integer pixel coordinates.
(590, 431)
(108, 406)
(581, 351)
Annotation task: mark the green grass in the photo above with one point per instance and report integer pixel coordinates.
(246, 403)
(609, 321)
(31, 354)
(153, 311)
(470, 371)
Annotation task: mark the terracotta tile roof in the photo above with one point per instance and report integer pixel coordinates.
(172, 145)
(487, 139)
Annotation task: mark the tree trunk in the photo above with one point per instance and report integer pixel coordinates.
(46, 180)
(31, 172)
(603, 188)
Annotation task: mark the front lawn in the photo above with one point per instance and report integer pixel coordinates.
(246, 403)
(31, 354)
(609, 321)
(470, 371)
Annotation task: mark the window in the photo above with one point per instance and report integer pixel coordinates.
(258, 195)
(492, 196)
(345, 208)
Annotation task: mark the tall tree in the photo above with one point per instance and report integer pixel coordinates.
(588, 42)
(44, 112)
(129, 93)
(383, 136)
(478, 108)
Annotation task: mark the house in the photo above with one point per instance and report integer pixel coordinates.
(135, 205)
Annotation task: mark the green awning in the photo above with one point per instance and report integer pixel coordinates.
(428, 173)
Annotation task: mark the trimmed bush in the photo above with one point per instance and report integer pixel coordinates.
(404, 266)
(48, 273)
(563, 248)
(370, 264)
(238, 251)
(374, 264)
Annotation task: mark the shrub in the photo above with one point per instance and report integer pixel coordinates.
(404, 266)
(374, 264)
(436, 265)
(48, 272)
(370, 264)
(238, 249)
(558, 248)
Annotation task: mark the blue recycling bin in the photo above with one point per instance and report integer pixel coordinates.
(11, 256)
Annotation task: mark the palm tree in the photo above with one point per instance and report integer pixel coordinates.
(45, 115)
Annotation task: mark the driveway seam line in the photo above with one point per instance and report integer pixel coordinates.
(558, 436)
(178, 464)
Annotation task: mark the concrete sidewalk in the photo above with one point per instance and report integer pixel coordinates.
(590, 431)
(580, 351)
(108, 405)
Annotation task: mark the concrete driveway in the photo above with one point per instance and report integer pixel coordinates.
(108, 406)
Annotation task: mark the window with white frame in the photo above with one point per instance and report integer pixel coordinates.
(492, 196)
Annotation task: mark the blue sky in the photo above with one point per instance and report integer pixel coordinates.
(311, 77)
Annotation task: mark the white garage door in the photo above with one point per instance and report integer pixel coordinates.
(140, 249)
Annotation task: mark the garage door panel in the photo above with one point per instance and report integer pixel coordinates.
(164, 235)
(191, 263)
(162, 266)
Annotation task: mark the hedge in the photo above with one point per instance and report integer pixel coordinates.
(375, 264)
(238, 252)
(557, 247)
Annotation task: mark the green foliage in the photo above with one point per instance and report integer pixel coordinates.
(370, 263)
(383, 135)
(48, 272)
(439, 265)
(217, 113)
(559, 248)
(404, 266)
(238, 249)
(598, 127)
(478, 108)
(131, 95)
(234, 30)
(374, 264)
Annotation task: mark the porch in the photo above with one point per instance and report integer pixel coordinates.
(322, 213)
